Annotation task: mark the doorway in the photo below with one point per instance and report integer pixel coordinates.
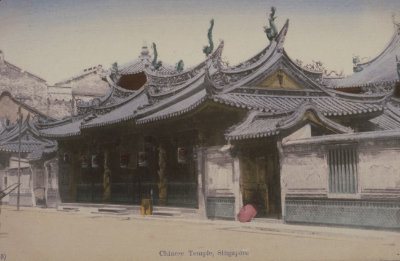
(260, 180)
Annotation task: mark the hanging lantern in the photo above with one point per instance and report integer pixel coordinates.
(182, 155)
(95, 160)
(84, 161)
(66, 157)
(124, 160)
(142, 159)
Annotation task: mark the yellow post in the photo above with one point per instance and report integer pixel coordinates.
(162, 185)
(106, 177)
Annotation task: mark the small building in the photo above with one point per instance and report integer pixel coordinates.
(212, 138)
(23, 150)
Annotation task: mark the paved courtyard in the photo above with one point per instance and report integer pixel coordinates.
(46, 234)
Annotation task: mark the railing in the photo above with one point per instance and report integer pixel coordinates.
(8, 190)
(180, 194)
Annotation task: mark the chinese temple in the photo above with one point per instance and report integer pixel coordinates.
(286, 138)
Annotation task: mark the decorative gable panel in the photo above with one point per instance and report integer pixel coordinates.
(279, 80)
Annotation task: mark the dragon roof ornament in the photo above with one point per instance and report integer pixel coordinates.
(271, 31)
(156, 64)
(207, 50)
(180, 66)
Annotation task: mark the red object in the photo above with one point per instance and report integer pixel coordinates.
(246, 213)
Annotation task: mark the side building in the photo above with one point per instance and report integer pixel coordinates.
(36, 100)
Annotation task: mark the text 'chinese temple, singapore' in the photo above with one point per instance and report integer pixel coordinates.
(294, 141)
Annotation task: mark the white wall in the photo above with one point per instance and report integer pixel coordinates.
(305, 173)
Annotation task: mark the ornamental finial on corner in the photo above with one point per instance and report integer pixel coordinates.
(271, 31)
(208, 49)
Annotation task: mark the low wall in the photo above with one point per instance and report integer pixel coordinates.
(305, 191)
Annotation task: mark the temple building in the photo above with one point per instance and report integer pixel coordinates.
(295, 143)
(22, 149)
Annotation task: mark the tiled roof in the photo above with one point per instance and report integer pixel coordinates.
(134, 67)
(121, 113)
(256, 127)
(30, 139)
(259, 124)
(176, 109)
(386, 122)
(390, 119)
(25, 147)
(66, 129)
(329, 106)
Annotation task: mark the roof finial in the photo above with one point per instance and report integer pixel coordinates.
(356, 64)
(271, 32)
(155, 64)
(208, 49)
(145, 51)
(114, 72)
(180, 65)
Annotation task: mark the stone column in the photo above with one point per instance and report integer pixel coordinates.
(201, 183)
(106, 177)
(163, 182)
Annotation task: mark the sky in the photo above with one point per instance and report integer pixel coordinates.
(56, 39)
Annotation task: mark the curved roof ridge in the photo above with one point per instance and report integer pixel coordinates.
(376, 97)
(395, 37)
(297, 116)
(381, 70)
(177, 88)
(185, 93)
(262, 56)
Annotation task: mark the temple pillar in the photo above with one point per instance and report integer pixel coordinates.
(106, 176)
(236, 184)
(163, 182)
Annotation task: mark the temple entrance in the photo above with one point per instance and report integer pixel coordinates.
(260, 181)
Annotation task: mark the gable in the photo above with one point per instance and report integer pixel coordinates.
(279, 80)
(9, 109)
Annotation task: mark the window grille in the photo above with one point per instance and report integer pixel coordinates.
(342, 163)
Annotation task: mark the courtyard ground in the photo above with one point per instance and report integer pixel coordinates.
(47, 234)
